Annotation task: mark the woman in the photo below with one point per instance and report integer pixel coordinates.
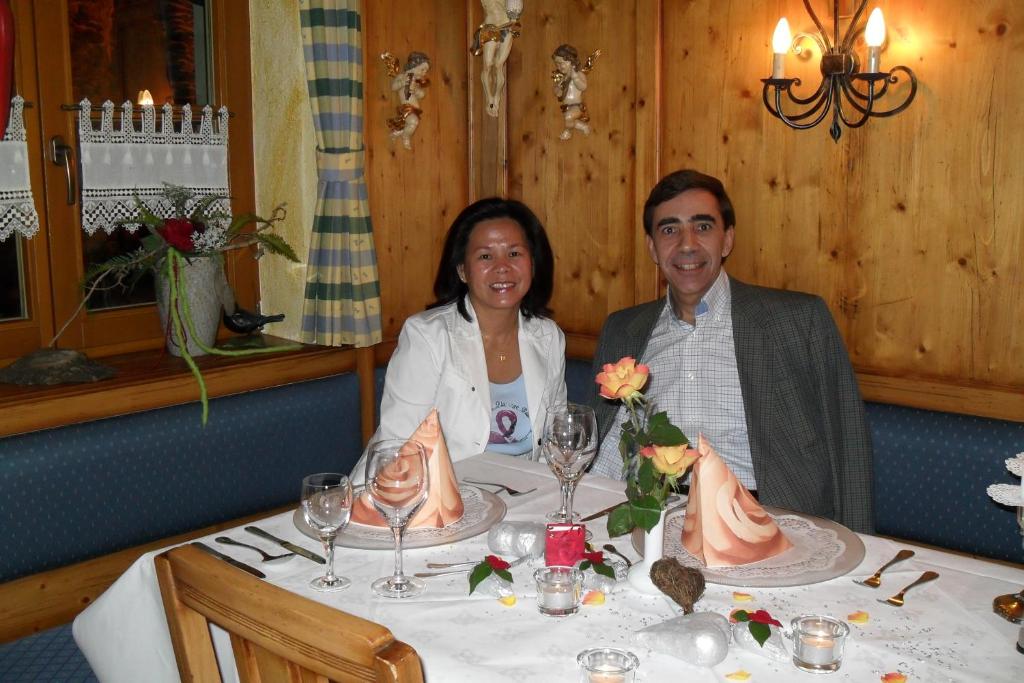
(483, 354)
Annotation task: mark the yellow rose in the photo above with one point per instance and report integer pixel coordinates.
(622, 380)
(670, 460)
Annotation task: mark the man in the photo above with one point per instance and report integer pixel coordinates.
(763, 373)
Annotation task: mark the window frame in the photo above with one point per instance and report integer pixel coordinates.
(52, 275)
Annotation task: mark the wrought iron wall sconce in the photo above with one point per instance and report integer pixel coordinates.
(843, 85)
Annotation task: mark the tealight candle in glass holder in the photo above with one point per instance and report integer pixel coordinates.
(607, 665)
(559, 590)
(818, 643)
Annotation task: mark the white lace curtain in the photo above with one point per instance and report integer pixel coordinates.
(17, 209)
(121, 164)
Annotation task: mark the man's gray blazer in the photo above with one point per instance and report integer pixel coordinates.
(809, 443)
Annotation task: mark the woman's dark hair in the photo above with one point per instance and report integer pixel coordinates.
(447, 285)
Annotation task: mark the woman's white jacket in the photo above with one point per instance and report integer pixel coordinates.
(439, 362)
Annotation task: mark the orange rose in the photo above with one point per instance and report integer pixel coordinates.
(622, 380)
(670, 460)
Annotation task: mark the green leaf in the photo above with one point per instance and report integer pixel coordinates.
(620, 521)
(505, 574)
(741, 615)
(479, 573)
(276, 245)
(645, 512)
(239, 222)
(604, 570)
(647, 477)
(585, 565)
(761, 632)
(663, 432)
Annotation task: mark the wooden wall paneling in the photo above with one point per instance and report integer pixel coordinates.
(648, 45)
(584, 188)
(944, 298)
(414, 195)
(909, 227)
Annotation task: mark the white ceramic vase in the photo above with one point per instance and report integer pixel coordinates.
(640, 573)
(199, 281)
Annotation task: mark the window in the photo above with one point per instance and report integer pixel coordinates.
(182, 51)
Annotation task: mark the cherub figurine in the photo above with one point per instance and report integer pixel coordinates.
(493, 39)
(570, 79)
(410, 83)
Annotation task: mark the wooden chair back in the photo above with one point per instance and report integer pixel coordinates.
(275, 635)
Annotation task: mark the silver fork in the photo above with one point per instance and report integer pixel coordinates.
(897, 600)
(508, 489)
(267, 557)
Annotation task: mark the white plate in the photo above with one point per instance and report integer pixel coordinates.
(483, 510)
(822, 550)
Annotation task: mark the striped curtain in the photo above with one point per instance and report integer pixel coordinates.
(342, 297)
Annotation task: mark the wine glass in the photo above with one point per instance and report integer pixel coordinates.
(397, 482)
(569, 443)
(327, 507)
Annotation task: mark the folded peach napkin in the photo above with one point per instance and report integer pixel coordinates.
(444, 502)
(724, 525)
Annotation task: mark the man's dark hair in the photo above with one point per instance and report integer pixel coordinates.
(674, 184)
(448, 287)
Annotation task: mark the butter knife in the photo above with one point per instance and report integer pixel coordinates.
(230, 560)
(288, 545)
(466, 570)
(602, 513)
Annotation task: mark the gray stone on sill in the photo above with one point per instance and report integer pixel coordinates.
(54, 366)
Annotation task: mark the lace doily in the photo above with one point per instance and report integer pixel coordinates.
(1010, 494)
(821, 550)
(17, 208)
(121, 164)
(483, 509)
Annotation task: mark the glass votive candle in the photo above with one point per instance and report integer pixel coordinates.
(607, 665)
(818, 643)
(559, 590)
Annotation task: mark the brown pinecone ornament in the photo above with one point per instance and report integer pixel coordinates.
(685, 585)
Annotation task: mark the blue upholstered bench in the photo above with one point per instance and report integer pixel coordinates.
(73, 493)
(931, 470)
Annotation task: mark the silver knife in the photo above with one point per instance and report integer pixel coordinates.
(288, 545)
(466, 570)
(230, 560)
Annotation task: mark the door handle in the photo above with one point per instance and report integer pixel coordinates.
(60, 155)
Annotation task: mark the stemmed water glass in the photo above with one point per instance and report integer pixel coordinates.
(397, 482)
(327, 507)
(569, 443)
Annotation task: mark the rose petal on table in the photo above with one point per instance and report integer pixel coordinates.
(593, 598)
(507, 600)
(742, 597)
(740, 675)
(858, 617)
(894, 677)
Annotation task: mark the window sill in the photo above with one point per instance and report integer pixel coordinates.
(154, 379)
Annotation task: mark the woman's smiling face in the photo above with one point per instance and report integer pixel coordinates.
(498, 268)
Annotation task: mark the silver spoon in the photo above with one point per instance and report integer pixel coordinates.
(267, 557)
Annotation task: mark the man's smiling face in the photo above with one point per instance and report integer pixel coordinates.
(688, 242)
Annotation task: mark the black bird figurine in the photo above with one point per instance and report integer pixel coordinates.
(246, 322)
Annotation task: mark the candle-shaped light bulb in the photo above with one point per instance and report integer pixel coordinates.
(874, 36)
(144, 97)
(781, 40)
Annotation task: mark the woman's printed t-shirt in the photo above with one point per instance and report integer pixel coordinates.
(511, 430)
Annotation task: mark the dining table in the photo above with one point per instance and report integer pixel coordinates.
(945, 631)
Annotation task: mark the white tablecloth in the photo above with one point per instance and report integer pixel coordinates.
(946, 631)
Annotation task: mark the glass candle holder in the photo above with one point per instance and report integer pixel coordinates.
(818, 643)
(607, 665)
(559, 590)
